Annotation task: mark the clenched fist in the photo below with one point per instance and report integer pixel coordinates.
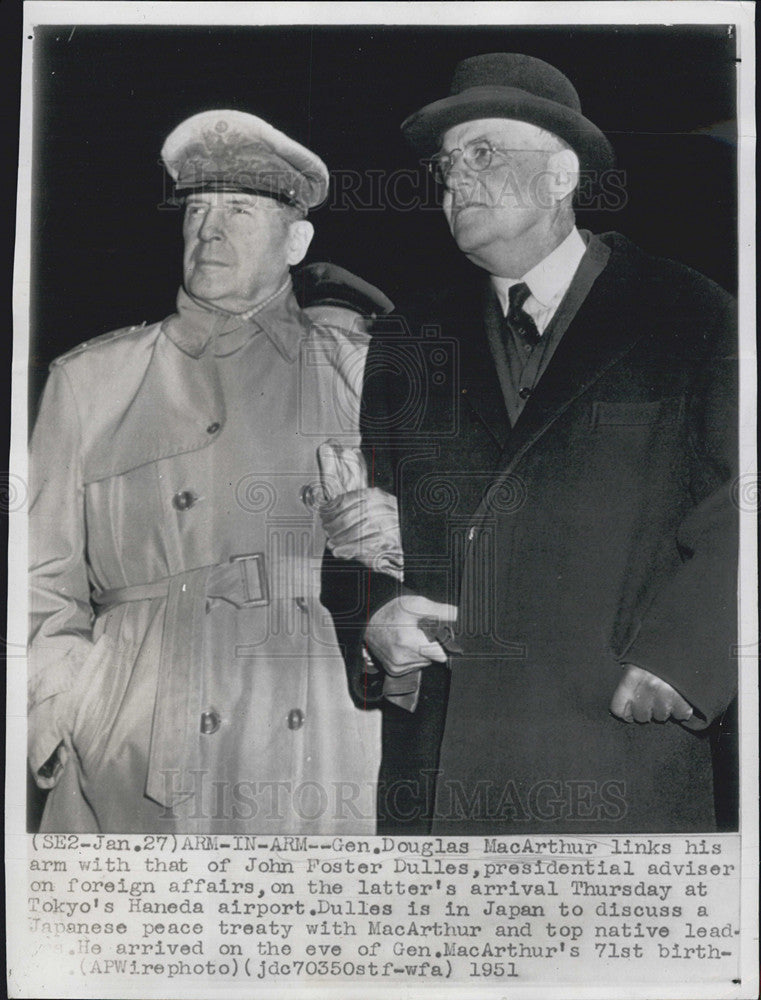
(642, 697)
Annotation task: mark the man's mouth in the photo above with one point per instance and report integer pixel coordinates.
(459, 209)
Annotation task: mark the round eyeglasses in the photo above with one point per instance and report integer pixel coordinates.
(477, 155)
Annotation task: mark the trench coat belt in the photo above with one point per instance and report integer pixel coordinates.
(245, 582)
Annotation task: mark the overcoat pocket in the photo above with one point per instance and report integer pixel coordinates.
(96, 699)
(610, 414)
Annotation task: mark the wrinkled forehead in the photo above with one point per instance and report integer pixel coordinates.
(500, 131)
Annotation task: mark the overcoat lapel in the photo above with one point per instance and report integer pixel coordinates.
(593, 342)
(480, 386)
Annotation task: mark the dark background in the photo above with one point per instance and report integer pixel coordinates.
(106, 97)
(106, 255)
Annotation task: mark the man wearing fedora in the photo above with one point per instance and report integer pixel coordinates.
(184, 676)
(564, 634)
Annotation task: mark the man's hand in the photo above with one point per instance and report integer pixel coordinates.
(395, 637)
(641, 696)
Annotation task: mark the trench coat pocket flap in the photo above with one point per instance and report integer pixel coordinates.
(610, 414)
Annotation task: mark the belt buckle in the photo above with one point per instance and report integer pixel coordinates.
(251, 600)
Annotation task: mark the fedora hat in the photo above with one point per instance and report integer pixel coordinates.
(509, 85)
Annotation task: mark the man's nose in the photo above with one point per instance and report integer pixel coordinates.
(463, 183)
(211, 227)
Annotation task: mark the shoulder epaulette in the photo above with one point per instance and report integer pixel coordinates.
(355, 336)
(104, 338)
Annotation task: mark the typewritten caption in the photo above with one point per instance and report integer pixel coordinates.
(506, 910)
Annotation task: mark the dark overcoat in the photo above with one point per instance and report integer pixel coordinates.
(598, 531)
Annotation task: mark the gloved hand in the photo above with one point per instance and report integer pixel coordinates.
(342, 469)
(361, 522)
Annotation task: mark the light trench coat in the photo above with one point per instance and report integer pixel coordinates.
(173, 687)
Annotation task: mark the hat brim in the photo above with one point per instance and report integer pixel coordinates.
(257, 147)
(425, 128)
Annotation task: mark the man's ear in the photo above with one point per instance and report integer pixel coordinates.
(563, 174)
(300, 235)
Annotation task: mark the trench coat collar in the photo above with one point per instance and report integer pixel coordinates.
(195, 326)
(176, 405)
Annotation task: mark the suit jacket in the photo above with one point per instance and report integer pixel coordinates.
(598, 531)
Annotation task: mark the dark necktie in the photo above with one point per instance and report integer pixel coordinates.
(518, 320)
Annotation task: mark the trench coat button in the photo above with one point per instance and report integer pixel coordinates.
(183, 500)
(295, 718)
(213, 428)
(209, 722)
(524, 392)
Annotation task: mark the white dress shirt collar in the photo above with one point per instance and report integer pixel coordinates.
(548, 280)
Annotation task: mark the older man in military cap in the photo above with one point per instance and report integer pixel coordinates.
(184, 675)
(579, 524)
